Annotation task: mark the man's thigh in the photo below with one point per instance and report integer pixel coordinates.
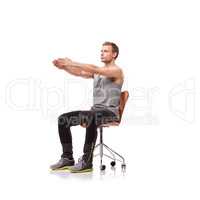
(104, 116)
(85, 117)
(72, 117)
(77, 117)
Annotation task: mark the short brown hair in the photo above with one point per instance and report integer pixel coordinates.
(115, 48)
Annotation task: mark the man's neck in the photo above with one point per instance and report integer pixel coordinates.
(109, 64)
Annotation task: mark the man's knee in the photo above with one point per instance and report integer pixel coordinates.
(64, 118)
(61, 119)
(86, 118)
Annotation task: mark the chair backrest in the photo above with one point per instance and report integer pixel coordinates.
(123, 99)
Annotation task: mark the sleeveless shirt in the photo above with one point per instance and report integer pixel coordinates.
(106, 94)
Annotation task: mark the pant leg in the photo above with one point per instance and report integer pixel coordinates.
(65, 121)
(98, 117)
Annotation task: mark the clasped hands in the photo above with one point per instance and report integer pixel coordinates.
(62, 63)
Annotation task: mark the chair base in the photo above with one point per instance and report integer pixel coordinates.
(114, 156)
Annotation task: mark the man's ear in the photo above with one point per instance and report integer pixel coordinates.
(114, 55)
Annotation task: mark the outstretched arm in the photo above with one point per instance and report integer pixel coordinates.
(112, 71)
(73, 70)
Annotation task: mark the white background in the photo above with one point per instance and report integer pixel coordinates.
(159, 134)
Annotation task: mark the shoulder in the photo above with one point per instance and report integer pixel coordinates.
(120, 71)
(120, 78)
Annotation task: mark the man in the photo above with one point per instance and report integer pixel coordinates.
(108, 81)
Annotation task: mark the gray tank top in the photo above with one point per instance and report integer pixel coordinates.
(106, 94)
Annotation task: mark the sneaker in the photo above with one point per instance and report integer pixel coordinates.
(82, 166)
(63, 163)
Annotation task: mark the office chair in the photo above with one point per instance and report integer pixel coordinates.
(113, 154)
(123, 99)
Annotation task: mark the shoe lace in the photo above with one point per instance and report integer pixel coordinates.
(80, 161)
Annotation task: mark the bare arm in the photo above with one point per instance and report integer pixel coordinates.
(78, 72)
(74, 70)
(111, 71)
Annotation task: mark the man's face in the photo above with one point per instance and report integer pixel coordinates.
(107, 55)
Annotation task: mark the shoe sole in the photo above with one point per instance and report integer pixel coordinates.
(81, 171)
(62, 168)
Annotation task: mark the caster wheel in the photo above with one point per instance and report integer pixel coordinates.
(123, 167)
(103, 167)
(113, 163)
